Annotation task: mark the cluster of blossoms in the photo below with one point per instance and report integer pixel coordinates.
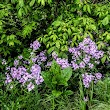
(84, 56)
(29, 74)
(61, 61)
(22, 76)
(84, 53)
(39, 58)
(88, 78)
(35, 45)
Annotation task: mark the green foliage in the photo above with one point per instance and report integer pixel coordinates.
(57, 24)
(102, 90)
(56, 78)
(20, 22)
(101, 106)
(75, 22)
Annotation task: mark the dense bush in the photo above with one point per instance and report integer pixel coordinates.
(54, 54)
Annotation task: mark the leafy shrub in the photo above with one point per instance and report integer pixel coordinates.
(55, 78)
(77, 21)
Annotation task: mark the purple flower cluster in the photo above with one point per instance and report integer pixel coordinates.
(8, 78)
(22, 76)
(54, 55)
(88, 78)
(84, 53)
(74, 65)
(89, 47)
(16, 62)
(27, 72)
(39, 58)
(35, 45)
(75, 51)
(20, 57)
(63, 62)
(49, 64)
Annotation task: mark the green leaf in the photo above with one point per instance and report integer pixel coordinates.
(20, 13)
(68, 92)
(56, 23)
(59, 29)
(50, 50)
(88, 8)
(1, 41)
(21, 3)
(47, 46)
(43, 2)
(54, 37)
(56, 93)
(105, 21)
(3, 36)
(108, 37)
(93, 27)
(58, 44)
(64, 48)
(32, 3)
(103, 59)
(12, 37)
(49, 1)
(67, 73)
(69, 31)
(27, 30)
(84, 8)
(11, 43)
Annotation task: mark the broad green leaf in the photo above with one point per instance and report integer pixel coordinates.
(3, 36)
(20, 12)
(108, 37)
(21, 3)
(58, 44)
(50, 50)
(62, 81)
(73, 28)
(59, 29)
(27, 30)
(69, 32)
(64, 37)
(66, 47)
(93, 27)
(84, 8)
(56, 93)
(38, 1)
(67, 73)
(47, 46)
(103, 59)
(105, 21)
(88, 8)
(32, 3)
(11, 43)
(56, 23)
(68, 92)
(77, 1)
(43, 2)
(49, 1)
(54, 37)
(1, 41)
(12, 37)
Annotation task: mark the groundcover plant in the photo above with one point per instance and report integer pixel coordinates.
(54, 55)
